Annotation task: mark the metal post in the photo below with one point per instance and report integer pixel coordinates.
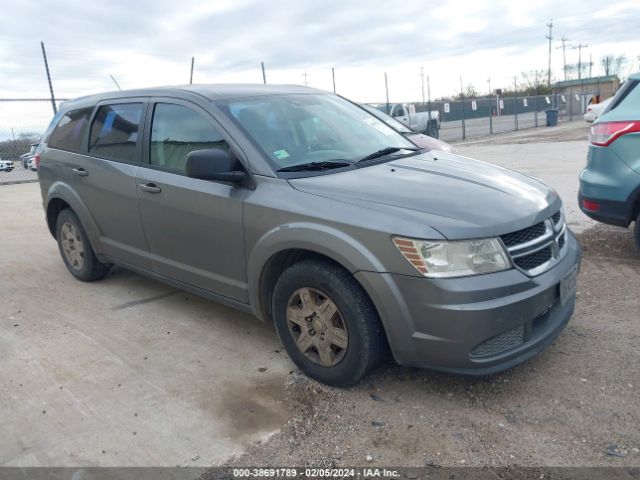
(570, 104)
(490, 108)
(429, 107)
(191, 76)
(535, 107)
(46, 66)
(333, 77)
(264, 75)
(515, 102)
(386, 88)
(464, 129)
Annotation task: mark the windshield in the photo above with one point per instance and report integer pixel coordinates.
(299, 129)
(388, 119)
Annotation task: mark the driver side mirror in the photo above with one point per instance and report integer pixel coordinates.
(213, 164)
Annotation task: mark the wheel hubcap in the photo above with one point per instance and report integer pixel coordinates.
(72, 246)
(317, 327)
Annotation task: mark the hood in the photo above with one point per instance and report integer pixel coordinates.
(457, 196)
(425, 141)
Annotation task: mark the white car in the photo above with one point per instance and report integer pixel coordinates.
(594, 110)
(6, 166)
(31, 164)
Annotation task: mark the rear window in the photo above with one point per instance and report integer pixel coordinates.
(69, 131)
(622, 93)
(114, 132)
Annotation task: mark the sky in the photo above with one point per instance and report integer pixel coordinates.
(150, 42)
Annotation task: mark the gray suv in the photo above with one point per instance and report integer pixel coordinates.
(304, 209)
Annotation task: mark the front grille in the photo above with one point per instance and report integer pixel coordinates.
(537, 248)
(524, 235)
(529, 262)
(500, 343)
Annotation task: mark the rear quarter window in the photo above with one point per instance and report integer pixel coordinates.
(628, 93)
(68, 133)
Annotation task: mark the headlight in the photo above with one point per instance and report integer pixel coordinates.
(454, 259)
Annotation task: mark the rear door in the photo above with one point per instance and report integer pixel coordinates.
(104, 177)
(193, 227)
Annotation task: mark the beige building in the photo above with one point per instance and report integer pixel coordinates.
(578, 94)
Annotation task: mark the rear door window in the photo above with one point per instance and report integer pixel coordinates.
(69, 131)
(115, 132)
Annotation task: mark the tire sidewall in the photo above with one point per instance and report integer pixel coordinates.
(355, 363)
(85, 273)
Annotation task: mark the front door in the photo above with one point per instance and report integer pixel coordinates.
(193, 227)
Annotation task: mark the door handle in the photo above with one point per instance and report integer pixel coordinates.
(80, 172)
(150, 187)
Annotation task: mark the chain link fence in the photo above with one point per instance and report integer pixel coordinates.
(22, 123)
(481, 117)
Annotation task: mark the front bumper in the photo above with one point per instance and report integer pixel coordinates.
(468, 325)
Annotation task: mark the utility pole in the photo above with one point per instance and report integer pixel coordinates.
(193, 59)
(590, 64)
(305, 75)
(550, 38)
(115, 81)
(564, 41)
(46, 66)
(333, 77)
(264, 76)
(580, 46)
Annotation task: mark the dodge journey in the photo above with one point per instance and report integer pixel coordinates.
(304, 209)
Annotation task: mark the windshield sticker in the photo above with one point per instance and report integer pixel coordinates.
(281, 154)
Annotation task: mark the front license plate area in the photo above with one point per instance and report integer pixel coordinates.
(568, 285)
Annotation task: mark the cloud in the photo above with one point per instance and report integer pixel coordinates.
(148, 42)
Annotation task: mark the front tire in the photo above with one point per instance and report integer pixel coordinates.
(327, 323)
(76, 250)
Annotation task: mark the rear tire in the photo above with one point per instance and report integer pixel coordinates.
(76, 250)
(327, 323)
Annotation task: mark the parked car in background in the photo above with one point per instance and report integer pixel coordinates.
(31, 164)
(595, 110)
(302, 208)
(25, 157)
(610, 183)
(6, 166)
(421, 122)
(420, 139)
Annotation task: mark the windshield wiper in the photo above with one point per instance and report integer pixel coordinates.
(386, 151)
(315, 166)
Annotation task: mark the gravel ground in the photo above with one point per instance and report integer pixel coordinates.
(577, 404)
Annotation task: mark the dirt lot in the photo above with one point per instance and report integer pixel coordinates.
(576, 404)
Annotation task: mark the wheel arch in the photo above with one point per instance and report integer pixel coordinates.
(282, 247)
(60, 197)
